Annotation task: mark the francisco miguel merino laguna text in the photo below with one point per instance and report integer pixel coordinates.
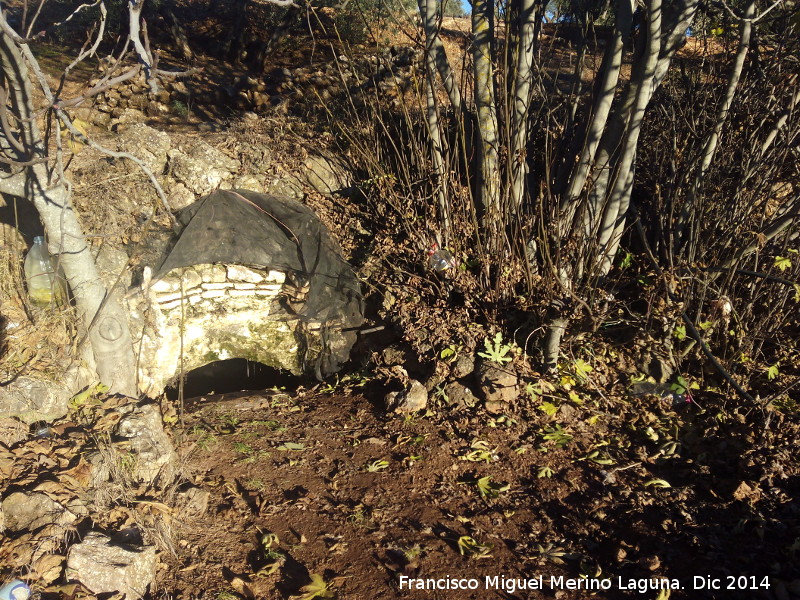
(556, 582)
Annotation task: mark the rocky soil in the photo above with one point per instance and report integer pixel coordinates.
(425, 459)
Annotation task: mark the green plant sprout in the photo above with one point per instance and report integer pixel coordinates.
(377, 465)
(496, 351)
(582, 369)
(472, 549)
(659, 483)
(481, 452)
(489, 489)
(551, 552)
(450, 353)
(557, 435)
(544, 473)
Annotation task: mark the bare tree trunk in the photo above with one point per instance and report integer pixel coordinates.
(235, 44)
(607, 157)
(521, 101)
(177, 29)
(486, 114)
(557, 324)
(445, 71)
(604, 98)
(613, 168)
(103, 314)
(428, 10)
(619, 198)
(287, 22)
(692, 210)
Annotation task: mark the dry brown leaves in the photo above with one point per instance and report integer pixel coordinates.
(74, 467)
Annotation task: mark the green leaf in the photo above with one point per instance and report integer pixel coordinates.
(558, 435)
(582, 369)
(292, 446)
(574, 397)
(783, 263)
(316, 589)
(773, 372)
(567, 381)
(489, 489)
(496, 351)
(705, 325)
(377, 465)
(469, 547)
(680, 332)
(447, 353)
(83, 397)
(548, 408)
(797, 292)
(659, 483)
(598, 458)
(481, 452)
(680, 386)
(269, 539)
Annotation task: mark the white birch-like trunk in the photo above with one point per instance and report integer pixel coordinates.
(428, 9)
(521, 101)
(103, 315)
(486, 115)
(610, 69)
(619, 197)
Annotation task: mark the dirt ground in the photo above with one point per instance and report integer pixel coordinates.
(580, 490)
(363, 498)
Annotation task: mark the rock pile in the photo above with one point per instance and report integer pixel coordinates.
(391, 72)
(135, 94)
(74, 477)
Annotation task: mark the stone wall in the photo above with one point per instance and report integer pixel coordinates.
(207, 313)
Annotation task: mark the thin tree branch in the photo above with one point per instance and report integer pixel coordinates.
(145, 169)
(135, 13)
(673, 297)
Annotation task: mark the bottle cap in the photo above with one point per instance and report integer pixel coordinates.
(39, 239)
(15, 590)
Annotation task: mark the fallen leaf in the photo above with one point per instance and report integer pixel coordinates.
(47, 568)
(241, 587)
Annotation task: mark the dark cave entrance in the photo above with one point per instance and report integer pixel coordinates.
(233, 375)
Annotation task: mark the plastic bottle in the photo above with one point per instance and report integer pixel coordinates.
(15, 590)
(44, 285)
(440, 259)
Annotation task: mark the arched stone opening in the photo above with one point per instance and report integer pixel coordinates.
(233, 375)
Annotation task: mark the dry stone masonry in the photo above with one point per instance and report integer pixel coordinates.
(213, 312)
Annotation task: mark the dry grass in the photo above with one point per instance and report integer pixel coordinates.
(35, 339)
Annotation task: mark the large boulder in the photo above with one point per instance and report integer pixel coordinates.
(104, 566)
(28, 511)
(147, 144)
(326, 175)
(33, 398)
(201, 167)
